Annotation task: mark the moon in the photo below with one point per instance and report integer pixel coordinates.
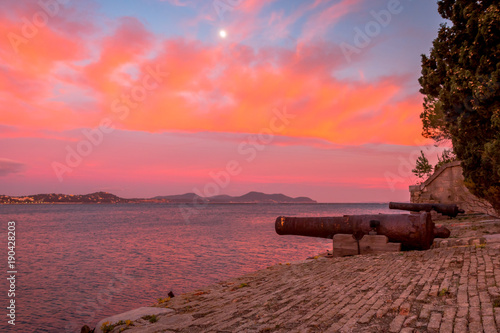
(223, 33)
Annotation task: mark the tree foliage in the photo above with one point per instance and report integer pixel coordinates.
(462, 92)
(422, 168)
(447, 156)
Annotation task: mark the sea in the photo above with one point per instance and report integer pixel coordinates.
(76, 264)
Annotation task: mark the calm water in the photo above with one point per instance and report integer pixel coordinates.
(80, 263)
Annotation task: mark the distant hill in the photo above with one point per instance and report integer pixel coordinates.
(250, 197)
(97, 197)
(180, 198)
(105, 197)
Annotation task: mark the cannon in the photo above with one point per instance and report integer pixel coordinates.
(444, 209)
(413, 231)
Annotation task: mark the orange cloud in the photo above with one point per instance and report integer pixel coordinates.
(228, 87)
(129, 43)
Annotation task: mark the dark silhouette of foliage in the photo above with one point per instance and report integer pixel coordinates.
(447, 156)
(422, 168)
(462, 92)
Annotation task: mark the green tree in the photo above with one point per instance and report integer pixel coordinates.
(462, 92)
(422, 167)
(447, 156)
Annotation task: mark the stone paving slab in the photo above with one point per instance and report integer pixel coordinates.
(132, 315)
(446, 289)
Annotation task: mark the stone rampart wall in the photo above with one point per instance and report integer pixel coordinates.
(446, 186)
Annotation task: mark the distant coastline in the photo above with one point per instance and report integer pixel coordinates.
(188, 198)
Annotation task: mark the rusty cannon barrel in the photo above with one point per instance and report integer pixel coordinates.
(413, 231)
(444, 209)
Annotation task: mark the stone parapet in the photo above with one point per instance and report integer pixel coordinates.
(446, 186)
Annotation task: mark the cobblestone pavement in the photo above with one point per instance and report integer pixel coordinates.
(448, 289)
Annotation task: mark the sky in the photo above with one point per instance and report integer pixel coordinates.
(140, 98)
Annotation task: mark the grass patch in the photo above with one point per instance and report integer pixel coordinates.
(443, 292)
(151, 318)
(163, 300)
(107, 327)
(243, 285)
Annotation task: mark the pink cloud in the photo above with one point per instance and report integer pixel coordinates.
(318, 23)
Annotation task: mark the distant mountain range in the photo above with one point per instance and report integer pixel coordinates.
(250, 197)
(105, 197)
